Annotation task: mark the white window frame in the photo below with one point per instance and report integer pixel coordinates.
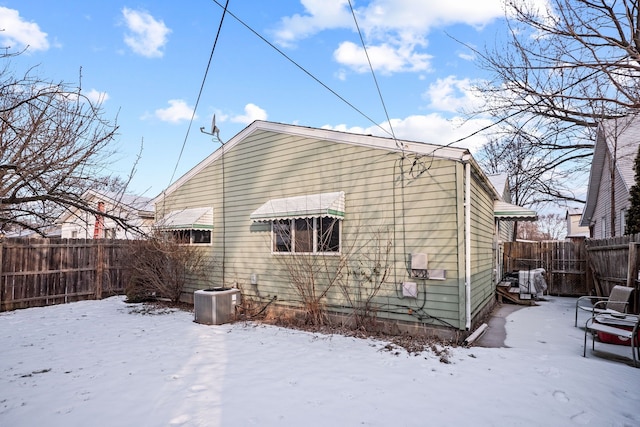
(603, 228)
(623, 221)
(314, 238)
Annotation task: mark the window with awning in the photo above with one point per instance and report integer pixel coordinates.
(191, 225)
(304, 224)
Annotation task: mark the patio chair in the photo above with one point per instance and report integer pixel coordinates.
(617, 301)
(622, 326)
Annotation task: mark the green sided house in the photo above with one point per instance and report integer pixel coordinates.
(296, 216)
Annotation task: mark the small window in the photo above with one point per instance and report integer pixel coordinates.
(306, 235)
(603, 228)
(190, 237)
(623, 221)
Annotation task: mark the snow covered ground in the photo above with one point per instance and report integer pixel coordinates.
(105, 363)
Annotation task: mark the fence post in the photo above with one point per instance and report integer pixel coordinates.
(632, 272)
(632, 266)
(99, 268)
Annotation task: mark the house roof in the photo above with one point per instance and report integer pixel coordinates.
(143, 206)
(389, 144)
(573, 211)
(500, 182)
(619, 135)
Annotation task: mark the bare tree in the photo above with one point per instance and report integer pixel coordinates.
(551, 226)
(560, 72)
(55, 144)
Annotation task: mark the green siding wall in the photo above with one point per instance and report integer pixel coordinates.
(414, 200)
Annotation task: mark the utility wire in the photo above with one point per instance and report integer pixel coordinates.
(375, 80)
(303, 69)
(204, 78)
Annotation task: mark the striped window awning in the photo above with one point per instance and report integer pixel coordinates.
(188, 219)
(509, 212)
(307, 206)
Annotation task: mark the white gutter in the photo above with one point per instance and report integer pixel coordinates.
(467, 240)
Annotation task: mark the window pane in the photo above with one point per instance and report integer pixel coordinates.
(201, 236)
(328, 235)
(282, 236)
(304, 235)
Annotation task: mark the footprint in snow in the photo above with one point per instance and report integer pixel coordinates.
(197, 388)
(560, 396)
(582, 418)
(179, 420)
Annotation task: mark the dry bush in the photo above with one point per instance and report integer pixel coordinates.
(161, 267)
(312, 275)
(358, 272)
(368, 267)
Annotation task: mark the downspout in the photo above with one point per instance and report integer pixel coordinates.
(467, 239)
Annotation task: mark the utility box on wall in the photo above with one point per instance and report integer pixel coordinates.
(215, 306)
(419, 265)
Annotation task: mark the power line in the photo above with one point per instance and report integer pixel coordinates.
(304, 69)
(204, 78)
(375, 80)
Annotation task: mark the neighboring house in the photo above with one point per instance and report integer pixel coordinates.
(277, 193)
(52, 231)
(615, 150)
(574, 229)
(135, 210)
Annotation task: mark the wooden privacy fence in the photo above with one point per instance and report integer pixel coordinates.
(38, 272)
(614, 261)
(580, 267)
(565, 264)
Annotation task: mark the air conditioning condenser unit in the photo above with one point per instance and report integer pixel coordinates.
(215, 306)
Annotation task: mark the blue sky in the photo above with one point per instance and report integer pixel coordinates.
(146, 61)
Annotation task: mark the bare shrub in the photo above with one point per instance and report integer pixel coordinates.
(368, 270)
(358, 270)
(161, 267)
(311, 258)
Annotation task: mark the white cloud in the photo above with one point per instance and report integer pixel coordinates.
(321, 15)
(146, 36)
(97, 97)
(431, 128)
(18, 33)
(453, 95)
(395, 30)
(177, 111)
(384, 58)
(251, 113)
